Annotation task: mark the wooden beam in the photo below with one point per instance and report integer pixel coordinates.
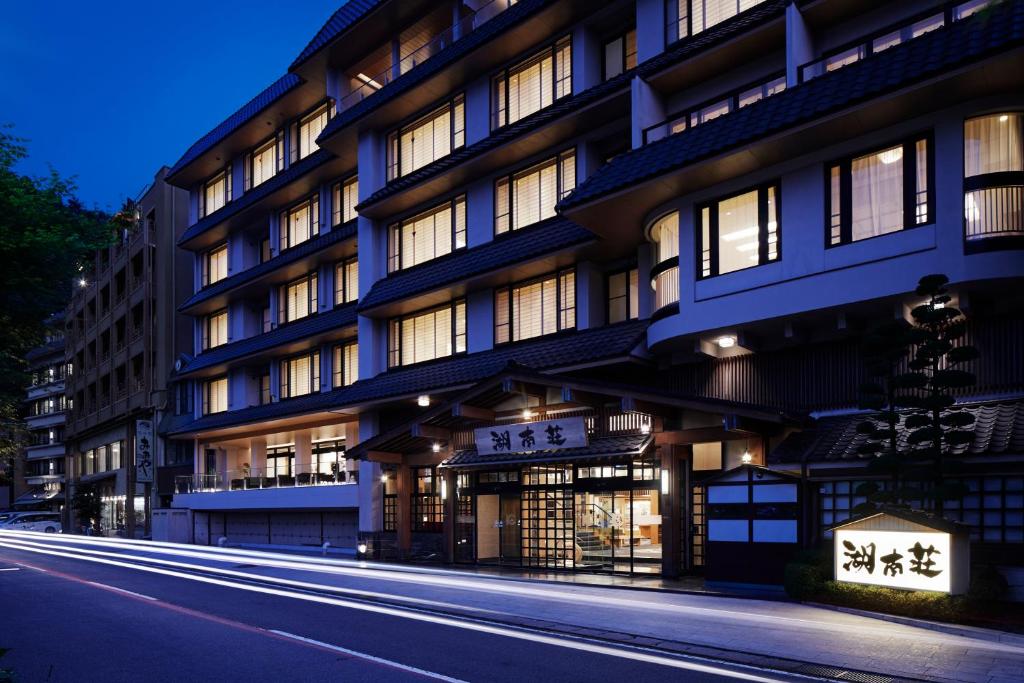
(586, 398)
(695, 435)
(384, 457)
(425, 431)
(472, 412)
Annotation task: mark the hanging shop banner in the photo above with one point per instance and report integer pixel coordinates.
(524, 437)
(144, 451)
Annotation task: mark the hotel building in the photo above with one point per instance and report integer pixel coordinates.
(514, 282)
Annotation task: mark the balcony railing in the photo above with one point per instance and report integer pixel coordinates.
(665, 282)
(469, 23)
(254, 478)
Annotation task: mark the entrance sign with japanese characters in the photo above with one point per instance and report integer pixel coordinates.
(144, 451)
(524, 437)
(896, 552)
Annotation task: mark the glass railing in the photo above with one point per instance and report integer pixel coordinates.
(891, 37)
(469, 23)
(256, 478)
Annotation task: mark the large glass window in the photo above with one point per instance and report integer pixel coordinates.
(300, 375)
(536, 308)
(216, 192)
(300, 223)
(215, 395)
(690, 17)
(346, 281)
(423, 336)
(215, 329)
(433, 233)
(264, 162)
(620, 54)
(297, 299)
(346, 364)
(665, 274)
(623, 296)
(215, 265)
(428, 139)
(739, 231)
(530, 196)
(881, 192)
(344, 197)
(994, 176)
(532, 85)
(307, 130)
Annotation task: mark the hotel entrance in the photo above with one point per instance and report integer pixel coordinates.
(498, 529)
(618, 531)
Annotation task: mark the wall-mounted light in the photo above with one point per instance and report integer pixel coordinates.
(83, 283)
(726, 342)
(423, 401)
(384, 478)
(436, 447)
(664, 482)
(645, 427)
(747, 457)
(444, 489)
(361, 548)
(527, 413)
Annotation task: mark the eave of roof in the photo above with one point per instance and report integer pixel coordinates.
(343, 19)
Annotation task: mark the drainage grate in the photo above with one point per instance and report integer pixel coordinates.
(840, 674)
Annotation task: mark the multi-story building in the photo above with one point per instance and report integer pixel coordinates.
(508, 282)
(42, 468)
(123, 336)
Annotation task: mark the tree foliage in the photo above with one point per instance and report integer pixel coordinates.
(87, 505)
(914, 372)
(46, 237)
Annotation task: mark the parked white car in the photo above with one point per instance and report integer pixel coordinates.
(48, 522)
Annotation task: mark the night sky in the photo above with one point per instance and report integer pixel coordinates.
(108, 90)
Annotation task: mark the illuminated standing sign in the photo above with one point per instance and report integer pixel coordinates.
(524, 437)
(898, 552)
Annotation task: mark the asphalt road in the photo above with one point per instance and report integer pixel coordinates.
(65, 617)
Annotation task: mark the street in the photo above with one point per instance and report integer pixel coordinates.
(135, 610)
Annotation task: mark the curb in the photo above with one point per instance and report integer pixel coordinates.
(974, 632)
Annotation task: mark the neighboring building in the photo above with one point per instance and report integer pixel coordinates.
(508, 282)
(39, 484)
(122, 339)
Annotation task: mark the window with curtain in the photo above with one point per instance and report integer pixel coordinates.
(307, 130)
(994, 176)
(690, 17)
(300, 375)
(620, 54)
(297, 299)
(215, 395)
(881, 192)
(665, 273)
(623, 296)
(535, 308)
(428, 139)
(529, 196)
(263, 385)
(215, 329)
(215, 265)
(216, 192)
(423, 336)
(532, 85)
(346, 281)
(300, 223)
(264, 162)
(426, 236)
(740, 231)
(346, 364)
(344, 197)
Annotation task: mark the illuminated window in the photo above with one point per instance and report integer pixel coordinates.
(530, 196)
(215, 329)
(623, 296)
(264, 162)
(423, 336)
(216, 193)
(739, 231)
(532, 84)
(535, 308)
(297, 299)
(215, 395)
(346, 364)
(300, 375)
(884, 191)
(428, 235)
(994, 176)
(300, 223)
(344, 197)
(665, 274)
(427, 140)
(346, 281)
(307, 130)
(690, 17)
(215, 265)
(427, 506)
(620, 54)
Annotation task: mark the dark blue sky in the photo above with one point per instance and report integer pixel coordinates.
(109, 90)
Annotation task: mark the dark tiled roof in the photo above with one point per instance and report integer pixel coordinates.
(274, 92)
(599, 447)
(460, 48)
(514, 248)
(562, 107)
(347, 15)
(934, 53)
(232, 208)
(338, 234)
(342, 316)
(998, 429)
(560, 351)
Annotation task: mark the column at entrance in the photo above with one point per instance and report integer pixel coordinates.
(450, 504)
(672, 503)
(403, 523)
(303, 454)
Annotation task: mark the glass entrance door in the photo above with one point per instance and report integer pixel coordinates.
(498, 529)
(604, 531)
(511, 536)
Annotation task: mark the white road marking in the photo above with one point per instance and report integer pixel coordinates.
(120, 590)
(370, 658)
(519, 634)
(10, 569)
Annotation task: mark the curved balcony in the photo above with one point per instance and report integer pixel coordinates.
(665, 283)
(994, 211)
